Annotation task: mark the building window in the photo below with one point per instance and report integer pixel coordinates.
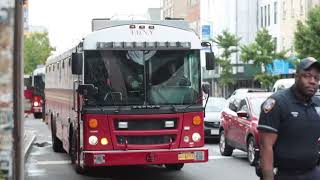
(292, 9)
(265, 16)
(268, 14)
(275, 12)
(301, 8)
(261, 15)
(192, 2)
(284, 11)
(275, 43)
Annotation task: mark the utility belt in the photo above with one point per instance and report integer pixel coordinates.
(285, 172)
(293, 172)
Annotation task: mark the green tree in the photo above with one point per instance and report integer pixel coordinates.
(36, 50)
(262, 52)
(228, 43)
(307, 36)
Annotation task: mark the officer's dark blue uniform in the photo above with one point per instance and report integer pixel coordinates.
(297, 125)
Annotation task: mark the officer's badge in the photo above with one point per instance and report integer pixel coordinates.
(268, 105)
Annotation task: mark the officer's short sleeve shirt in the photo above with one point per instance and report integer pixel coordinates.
(270, 115)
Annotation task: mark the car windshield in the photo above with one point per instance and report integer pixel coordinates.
(215, 104)
(143, 77)
(256, 104)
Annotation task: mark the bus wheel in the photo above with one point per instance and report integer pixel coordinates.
(75, 159)
(38, 115)
(174, 167)
(56, 142)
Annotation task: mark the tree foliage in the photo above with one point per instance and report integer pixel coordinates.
(36, 50)
(307, 36)
(227, 42)
(262, 52)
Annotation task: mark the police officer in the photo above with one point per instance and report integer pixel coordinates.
(289, 128)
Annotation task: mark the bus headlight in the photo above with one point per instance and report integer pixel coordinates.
(35, 103)
(104, 141)
(196, 137)
(93, 140)
(186, 139)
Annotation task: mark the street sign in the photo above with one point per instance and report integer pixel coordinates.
(206, 32)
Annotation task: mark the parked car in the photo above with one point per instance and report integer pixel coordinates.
(238, 128)
(243, 91)
(212, 116)
(282, 84)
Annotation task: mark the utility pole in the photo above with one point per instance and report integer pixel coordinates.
(18, 132)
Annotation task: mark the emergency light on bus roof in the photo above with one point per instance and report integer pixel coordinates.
(143, 45)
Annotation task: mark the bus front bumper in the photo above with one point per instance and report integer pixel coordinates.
(144, 157)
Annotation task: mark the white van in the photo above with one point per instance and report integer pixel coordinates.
(282, 84)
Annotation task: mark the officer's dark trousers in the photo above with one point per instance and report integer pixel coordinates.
(310, 175)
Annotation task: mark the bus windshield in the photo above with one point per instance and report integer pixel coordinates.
(160, 77)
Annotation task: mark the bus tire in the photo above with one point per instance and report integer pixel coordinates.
(174, 167)
(80, 169)
(56, 142)
(37, 115)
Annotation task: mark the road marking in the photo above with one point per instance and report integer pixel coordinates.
(36, 172)
(53, 162)
(218, 157)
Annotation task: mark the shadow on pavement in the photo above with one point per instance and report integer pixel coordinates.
(132, 173)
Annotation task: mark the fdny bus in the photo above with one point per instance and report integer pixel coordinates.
(129, 94)
(34, 92)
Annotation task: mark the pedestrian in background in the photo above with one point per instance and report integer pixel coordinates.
(289, 128)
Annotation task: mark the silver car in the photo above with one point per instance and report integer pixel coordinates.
(212, 116)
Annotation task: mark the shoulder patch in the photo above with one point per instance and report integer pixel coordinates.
(268, 105)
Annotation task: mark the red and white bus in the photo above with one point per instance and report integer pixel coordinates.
(34, 92)
(129, 94)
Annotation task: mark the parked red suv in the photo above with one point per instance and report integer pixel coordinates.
(239, 120)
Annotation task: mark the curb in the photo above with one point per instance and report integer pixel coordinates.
(29, 139)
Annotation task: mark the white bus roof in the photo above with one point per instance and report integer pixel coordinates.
(108, 31)
(142, 31)
(39, 71)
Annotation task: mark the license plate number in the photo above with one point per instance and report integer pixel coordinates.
(214, 132)
(186, 156)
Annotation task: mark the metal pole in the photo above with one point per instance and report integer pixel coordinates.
(18, 132)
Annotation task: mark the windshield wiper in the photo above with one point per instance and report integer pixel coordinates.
(195, 103)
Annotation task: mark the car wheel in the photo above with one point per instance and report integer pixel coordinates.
(225, 149)
(251, 151)
(174, 167)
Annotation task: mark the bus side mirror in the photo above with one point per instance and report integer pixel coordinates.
(210, 60)
(87, 89)
(76, 63)
(206, 88)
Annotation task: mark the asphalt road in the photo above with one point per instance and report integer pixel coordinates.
(43, 163)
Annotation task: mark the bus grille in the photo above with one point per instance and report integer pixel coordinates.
(142, 140)
(146, 124)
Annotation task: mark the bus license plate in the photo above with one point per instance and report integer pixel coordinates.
(186, 156)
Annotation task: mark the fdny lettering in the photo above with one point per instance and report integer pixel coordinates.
(141, 32)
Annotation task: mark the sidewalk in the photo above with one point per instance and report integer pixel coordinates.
(29, 137)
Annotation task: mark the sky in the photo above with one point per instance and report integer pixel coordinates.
(68, 21)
